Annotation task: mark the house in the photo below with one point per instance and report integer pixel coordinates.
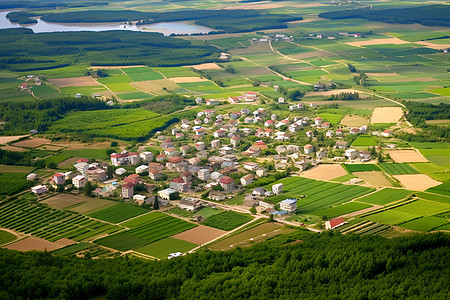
(185, 149)
(264, 205)
(225, 150)
(281, 100)
(259, 192)
(120, 171)
(339, 132)
(318, 121)
(294, 127)
(199, 100)
(96, 174)
(234, 100)
(313, 105)
(200, 131)
(59, 178)
(82, 167)
(364, 155)
(329, 134)
(190, 204)
(200, 146)
(154, 174)
(293, 148)
(247, 179)
(141, 169)
(174, 163)
(39, 189)
(225, 56)
(204, 174)
(251, 166)
(167, 143)
(186, 176)
(79, 181)
(32, 176)
(140, 199)
(161, 157)
(146, 157)
(216, 196)
(179, 185)
(341, 145)
(227, 183)
(260, 172)
(168, 194)
(387, 133)
(133, 179)
(197, 121)
(219, 133)
(354, 130)
(156, 166)
(277, 189)
(215, 144)
(212, 102)
(351, 154)
(179, 135)
(125, 158)
(216, 176)
(334, 223)
(251, 96)
(309, 134)
(289, 205)
(325, 125)
(127, 191)
(308, 149)
(269, 123)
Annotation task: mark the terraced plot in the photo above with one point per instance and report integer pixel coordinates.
(50, 224)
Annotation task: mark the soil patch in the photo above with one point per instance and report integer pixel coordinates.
(433, 46)
(325, 172)
(33, 243)
(187, 79)
(15, 149)
(417, 182)
(62, 201)
(32, 142)
(65, 242)
(386, 114)
(336, 92)
(206, 66)
(155, 86)
(199, 235)
(7, 139)
(389, 41)
(401, 156)
(375, 178)
(354, 121)
(74, 81)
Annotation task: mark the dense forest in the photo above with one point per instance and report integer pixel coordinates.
(238, 20)
(432, 15)
(23, 50)
(301, 265)
(50, 4)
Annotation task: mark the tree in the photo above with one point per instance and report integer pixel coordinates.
(253, 210)
(88, 188)
(52, 165)
(110, 171)
(380, 157)
(156, 203)
(109, 152)
(271, 218)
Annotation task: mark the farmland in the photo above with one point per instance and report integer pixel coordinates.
(6, 237)
(443, 189)
(425, 224)
(397, 169)
(118, 213)
(385, 196)
(145, 230)
(162, 248)
(364, 141)
(50, 224)
(340, 210)
(227, 220)
(361, 167)
(12, 183)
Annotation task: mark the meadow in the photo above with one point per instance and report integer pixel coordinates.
(227, 220)
(50, 224)
(118, 213)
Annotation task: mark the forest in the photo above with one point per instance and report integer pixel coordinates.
(301, 265)
(23, 50)
(237, 20)
(431, 15)
(51, 4)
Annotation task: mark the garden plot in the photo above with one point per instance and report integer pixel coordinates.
(325, 172)
(417, 182)
(199, 235)
(33, 243)
(62, 201)
(32, 142)
(74, 81)
(386, 115)
(402, 156)
(374, 178)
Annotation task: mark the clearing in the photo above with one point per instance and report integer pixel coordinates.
(402, 156)
(386, 114)
(199, 235)
(374, 178)
(325, 172)
(417, 182)
(74, 81)
(33, 243)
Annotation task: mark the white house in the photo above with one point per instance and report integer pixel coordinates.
(277, 189)
(146, 157)
(251, 166)
(120, 171)
(125, 158)
(32, 176)
(82, 167)
(141, 169)
(289, 205)
(39, 189)
(190, 204)
(167, 193)
(79, 181)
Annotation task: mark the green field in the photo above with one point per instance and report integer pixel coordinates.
(12, 183)
(6, 237)
(361, 167)
(71, 249)
(334, 119)
(50, 224)
(443, 189)
(398, 169)
(438, 156)
(144, 230)
(340, 210)
(227, 220)
(385, 196)
(145, 76)
(162, 248)
(364, 141)
(93, 153)
(119, 213)
(205, 212)
(424, 224)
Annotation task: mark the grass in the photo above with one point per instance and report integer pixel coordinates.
(438, 156)
(227, 220)
(361, 167)
(119, 213)
(424, 224)
(385, 196)
(6, 237)
(398, 169)
(443, 189)
(340, 210)
(334, 119)
(344, 178)
(162, 248)
(364, 141)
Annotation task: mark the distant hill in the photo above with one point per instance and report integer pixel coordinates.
(432, 15)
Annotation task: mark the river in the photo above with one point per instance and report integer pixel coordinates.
(165, 28)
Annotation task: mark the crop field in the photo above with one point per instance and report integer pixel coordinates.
(91, 205)
(63, 201)
(438, 156)
(364, 141)
(385, 196)
(374, 178)
(424, 224)
(334, 119)
(407, 212)
(32, 142)
(340, 210)
(134, 96)
(418, 182)
(325, 172)
(402, 156)
(162, 248)
(443, 189)
(50, 224)
(6, 237)
(354, 121)
(93, 153)
(144, 230)
(16, 169)
(397, 169)
(45, 92)
(33, 243)
(227, 220)
(199, 235)
(434, 197)
(71, 249)
(368, 227)
(361, 167)
(176, 72)
(12, 183)
(118, 213)
(205, 212)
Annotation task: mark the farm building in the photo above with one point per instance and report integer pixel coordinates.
(190, 204)
(32, 176)
(334, 223)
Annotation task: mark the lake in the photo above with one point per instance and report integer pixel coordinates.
(165, 28)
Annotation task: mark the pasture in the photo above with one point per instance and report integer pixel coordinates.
(318, 194)
(162, 248)
(325, 172)
(50, 224)
(227, 220)
(385, 196)
(397, 169)
(336, 211)
(118, 213)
